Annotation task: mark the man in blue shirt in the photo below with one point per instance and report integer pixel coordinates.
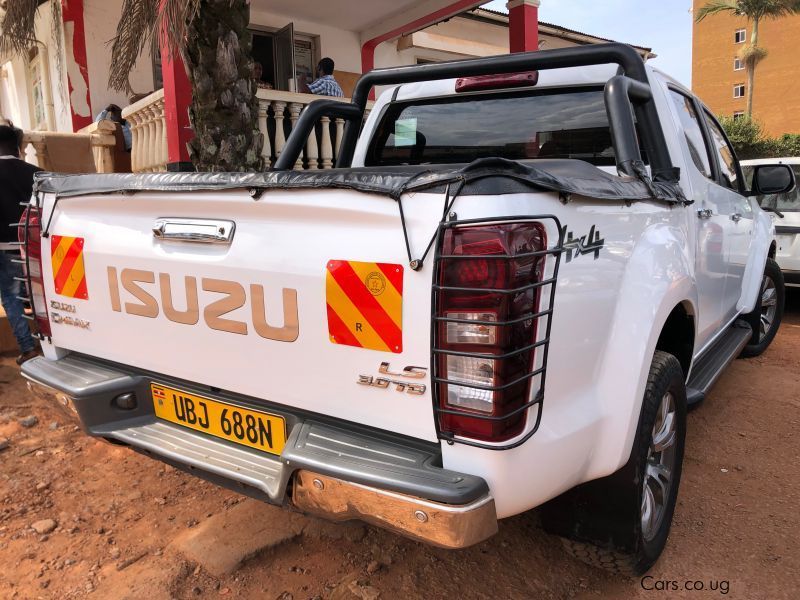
(325, 84)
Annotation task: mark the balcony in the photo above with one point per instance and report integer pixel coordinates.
(92, 150)
(277, 114)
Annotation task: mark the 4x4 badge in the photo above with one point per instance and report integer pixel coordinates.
(586, 244)
(410, 372)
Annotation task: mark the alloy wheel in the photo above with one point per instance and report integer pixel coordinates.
(769, 306)
(659, 467)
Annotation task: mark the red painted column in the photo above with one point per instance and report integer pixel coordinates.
(523, 25)
(80, 100)
(177, 99)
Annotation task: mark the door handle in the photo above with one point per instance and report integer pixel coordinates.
(204, 231)
(705, 213)
(736, 217)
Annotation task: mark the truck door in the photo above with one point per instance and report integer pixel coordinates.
(709, 219)
(738, 223)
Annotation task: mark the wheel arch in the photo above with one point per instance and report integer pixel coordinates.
(677, 335)
(657, 309)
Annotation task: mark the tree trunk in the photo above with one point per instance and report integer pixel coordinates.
(224, 109)
(751, 71)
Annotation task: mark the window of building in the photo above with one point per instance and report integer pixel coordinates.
(284, 57)
(738, 65)
(740, 36)
(738, 90)
(37, 92)
(725, 154)
(739, 114)
(692, 130)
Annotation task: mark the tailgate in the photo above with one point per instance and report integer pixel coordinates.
(312, 293)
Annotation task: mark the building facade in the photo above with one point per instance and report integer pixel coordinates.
(720, 79)
(35, 92)
(60, 85)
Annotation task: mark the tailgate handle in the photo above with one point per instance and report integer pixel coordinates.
(203, 231)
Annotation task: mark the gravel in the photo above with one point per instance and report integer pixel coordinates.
(44, 526)
(29, 421)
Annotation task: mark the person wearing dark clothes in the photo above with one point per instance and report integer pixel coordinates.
(16, 185)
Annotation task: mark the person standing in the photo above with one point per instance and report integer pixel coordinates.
(325, 84)
(16, 186)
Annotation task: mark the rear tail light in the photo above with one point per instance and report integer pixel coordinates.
(488, 287)
(29, 234)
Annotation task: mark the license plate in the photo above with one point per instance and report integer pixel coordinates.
(252, 428)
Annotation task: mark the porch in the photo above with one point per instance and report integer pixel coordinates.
(278, 111)
(358, 36)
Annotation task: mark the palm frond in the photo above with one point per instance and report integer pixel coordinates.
(18, 26)
(752, 9)
(134, 31)
(751, 55)
(172, 23)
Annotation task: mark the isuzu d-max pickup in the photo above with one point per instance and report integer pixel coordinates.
(521, 271)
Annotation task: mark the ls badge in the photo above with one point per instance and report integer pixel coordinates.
(410, 372)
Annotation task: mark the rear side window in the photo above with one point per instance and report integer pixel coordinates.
(727, 158)
(516, 126)
(690, 123)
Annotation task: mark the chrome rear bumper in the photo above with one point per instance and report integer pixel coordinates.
(328, 469)
(442, 525)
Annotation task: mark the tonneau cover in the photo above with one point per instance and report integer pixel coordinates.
(487, 176)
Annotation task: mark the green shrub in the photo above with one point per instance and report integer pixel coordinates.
(749, 141)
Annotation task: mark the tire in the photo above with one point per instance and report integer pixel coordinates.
(768, 313)
(605, 522)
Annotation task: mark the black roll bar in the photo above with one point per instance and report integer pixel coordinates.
(305, 127)
(621, 92)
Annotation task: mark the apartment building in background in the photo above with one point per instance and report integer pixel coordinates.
(720, 79)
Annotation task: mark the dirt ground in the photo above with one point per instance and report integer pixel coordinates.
(117, 516)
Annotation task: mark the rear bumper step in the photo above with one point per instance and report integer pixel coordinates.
(340, 472)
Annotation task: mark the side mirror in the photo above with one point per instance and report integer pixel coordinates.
(772, 179)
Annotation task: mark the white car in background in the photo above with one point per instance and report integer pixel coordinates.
(785, 211)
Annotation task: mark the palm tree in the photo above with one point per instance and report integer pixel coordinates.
(755, 11)
(213, 39)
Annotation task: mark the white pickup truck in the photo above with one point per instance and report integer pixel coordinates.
(785, 212)
(521, 272)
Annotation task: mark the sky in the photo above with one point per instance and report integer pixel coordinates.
(663, 25)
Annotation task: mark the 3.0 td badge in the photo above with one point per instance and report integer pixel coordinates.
(410, 372)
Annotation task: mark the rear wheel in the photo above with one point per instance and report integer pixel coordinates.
(621, 522)
(768, 312)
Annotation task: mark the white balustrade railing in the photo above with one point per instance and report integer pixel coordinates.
(149, 133)
(278, 113)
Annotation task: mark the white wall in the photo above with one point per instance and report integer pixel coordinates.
(13, 106)
(100, 19)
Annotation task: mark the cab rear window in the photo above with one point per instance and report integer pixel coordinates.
(516, 126)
